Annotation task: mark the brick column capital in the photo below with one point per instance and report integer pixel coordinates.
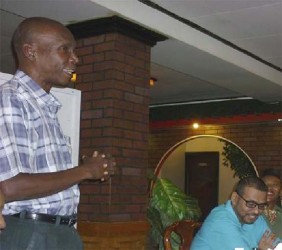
(115, 24)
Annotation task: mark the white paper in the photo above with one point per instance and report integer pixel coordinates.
(278, 247)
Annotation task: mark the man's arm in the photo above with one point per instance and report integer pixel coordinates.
(20, 179)
(28, 186)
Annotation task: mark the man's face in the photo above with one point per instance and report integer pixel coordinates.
(274, 187)
(249, 205)
(2, 221)
(55, 59)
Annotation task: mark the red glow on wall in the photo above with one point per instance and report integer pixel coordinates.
(238, 119)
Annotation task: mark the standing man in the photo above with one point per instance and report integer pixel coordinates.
(37, 176)
(238, 223)
(273, 213)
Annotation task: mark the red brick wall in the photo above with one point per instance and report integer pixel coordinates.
(113, 76)
(262, 142)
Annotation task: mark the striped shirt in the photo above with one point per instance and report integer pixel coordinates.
(32, 141)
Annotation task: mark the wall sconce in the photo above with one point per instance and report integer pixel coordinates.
(73, 78)
(152, 81)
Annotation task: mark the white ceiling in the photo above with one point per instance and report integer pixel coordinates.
(190, 65)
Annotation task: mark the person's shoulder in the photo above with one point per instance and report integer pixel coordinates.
(5, 77)
(218, 215)
(9, 92)
(278, 209)
(10, 85)
(221, 209)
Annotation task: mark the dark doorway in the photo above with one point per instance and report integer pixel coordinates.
(201, 179)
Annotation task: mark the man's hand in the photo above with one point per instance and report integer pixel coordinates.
(100, 166)
(267, 241)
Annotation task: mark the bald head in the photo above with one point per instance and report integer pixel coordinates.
(44, 50)
(29, 29)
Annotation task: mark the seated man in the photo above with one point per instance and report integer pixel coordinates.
(238, 223)
(2, 221)
(273, 213)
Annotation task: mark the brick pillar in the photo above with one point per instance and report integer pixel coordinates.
(113, 76)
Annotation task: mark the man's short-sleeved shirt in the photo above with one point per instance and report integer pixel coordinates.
(32, 141)
(222, 230)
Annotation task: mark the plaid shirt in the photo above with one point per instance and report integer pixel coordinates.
(32, 141)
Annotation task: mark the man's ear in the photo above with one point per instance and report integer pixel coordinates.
(28, 51)
(234, 197)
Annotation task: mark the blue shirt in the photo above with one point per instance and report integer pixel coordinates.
(222, 230)
(32, 141)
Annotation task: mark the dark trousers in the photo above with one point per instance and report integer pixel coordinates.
(25, 234)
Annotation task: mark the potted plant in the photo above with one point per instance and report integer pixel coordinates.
(168, 204)
(237, 160)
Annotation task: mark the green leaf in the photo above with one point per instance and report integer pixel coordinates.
(169, 204)
(237, 160)
(170, 200)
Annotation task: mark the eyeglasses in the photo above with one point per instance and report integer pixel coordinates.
(253, 204)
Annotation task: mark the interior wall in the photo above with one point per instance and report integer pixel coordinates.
(261, 141)
(173, 168)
